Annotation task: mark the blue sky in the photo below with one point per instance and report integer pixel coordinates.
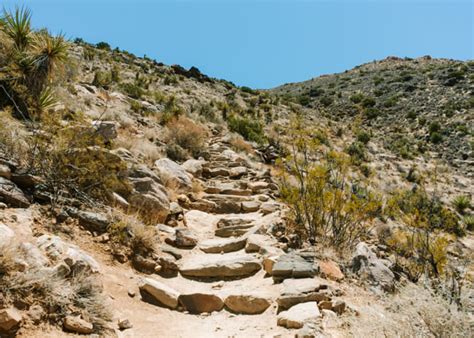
(265, 43)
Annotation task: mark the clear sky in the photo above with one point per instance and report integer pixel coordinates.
(265, 43)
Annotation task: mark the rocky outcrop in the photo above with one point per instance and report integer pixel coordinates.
(173, 175)
(366, 264)
(12, 195)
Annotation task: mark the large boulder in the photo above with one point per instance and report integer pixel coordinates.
(173, 175)
(161, 293)
(106, 129)
(151, 202)
(194, 167)
(12, 195)
(94, 221)
(231, 265)
(299, 315)
(366, 264)
(200, 302)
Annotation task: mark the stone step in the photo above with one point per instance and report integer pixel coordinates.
(222, 245)
(227, 266)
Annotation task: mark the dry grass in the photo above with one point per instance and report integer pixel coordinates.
(58, 296)
(13, 137)
(238, 143)
(140, 147)
(186, 134)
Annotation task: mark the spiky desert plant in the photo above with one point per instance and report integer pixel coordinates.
(48, 53)
(17, 26)
(461, 203)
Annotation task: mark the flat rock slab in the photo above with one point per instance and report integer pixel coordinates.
(12, 195)
(246, 304)
(199, 302)
(231, 265)
(228, 227)
(219, 245)
(296, 291)
(292, 266)
(161, 293)
(299, 315)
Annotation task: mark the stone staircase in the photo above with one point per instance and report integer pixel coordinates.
(227, 257)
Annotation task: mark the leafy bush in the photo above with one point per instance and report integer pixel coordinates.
(326, 101)
(103, 45)
(436, 137)
(368, 102)
(363, 137)
(357, 152)
(371, 113)
(320, 194)
(133, 90)
(468, 221)
(250, 129)
(102, 79)
(357, 98)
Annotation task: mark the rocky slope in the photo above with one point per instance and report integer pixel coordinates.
(188, 234)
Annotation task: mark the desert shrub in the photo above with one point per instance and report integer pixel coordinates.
(390, 102)
(176, 152)
(250, 129)
(468, 221)
(133, 90)
(186, 134)
(461, 203)
(357, 98)
(239, 144)
(58, 296)
(321, 196)
(102, 79)
(357, 152)
(304, 100)
(363, 137)
(326, 101)
(103, 45)
(172, 110)
(31, 60)
(74, 161)
(371, 113)
(248, 90)
(436, 137)
(368, 102)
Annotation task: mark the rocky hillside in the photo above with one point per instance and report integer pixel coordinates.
(413, 106)
(139, 199)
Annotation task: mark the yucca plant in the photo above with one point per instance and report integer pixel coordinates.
(47, 100)
(461, 203)
(17, 26)
(48, 53)
(468, 221)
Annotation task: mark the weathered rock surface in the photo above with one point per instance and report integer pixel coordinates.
(200, 302)
(297, 316)
(220, 266)
(9, 319)
(152, 202)
(218, 245)
(194, 167)
(12, 195)
(78, 325)
(292, 266)
(173, 175)
(330, 270)
(247, 304)
(366, 264)
(160, 292)
(304, 290)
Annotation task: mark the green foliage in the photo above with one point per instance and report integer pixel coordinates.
(357, 98)
(17, 26)
(371, 112)
(102, 79)
(326, 101)
(187, 135)
(436, 137)
(363, 137)
(468, 221)
(357, 152)
(250, 129)
(103, 45)
(133, 90)
(248, 90)
(461, 203)
(321, 197)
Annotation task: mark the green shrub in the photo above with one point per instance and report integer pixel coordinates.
(357, 98)
(250, 129)
(461, 203)
(363, 137)
(371, 113)
(436, 138)
(326, 101)
(133, 90)
(468, 221)
(103, 45)
(368, 102)
(248, 90)
(357, 152)
(102, 79)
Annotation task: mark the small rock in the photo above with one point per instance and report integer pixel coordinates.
(9, 318)
(124, 324)
(200, 303)
(250, 206)
(160, 292)
(247, 304)
(297, 316)
(330, 270)
(77, 325)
